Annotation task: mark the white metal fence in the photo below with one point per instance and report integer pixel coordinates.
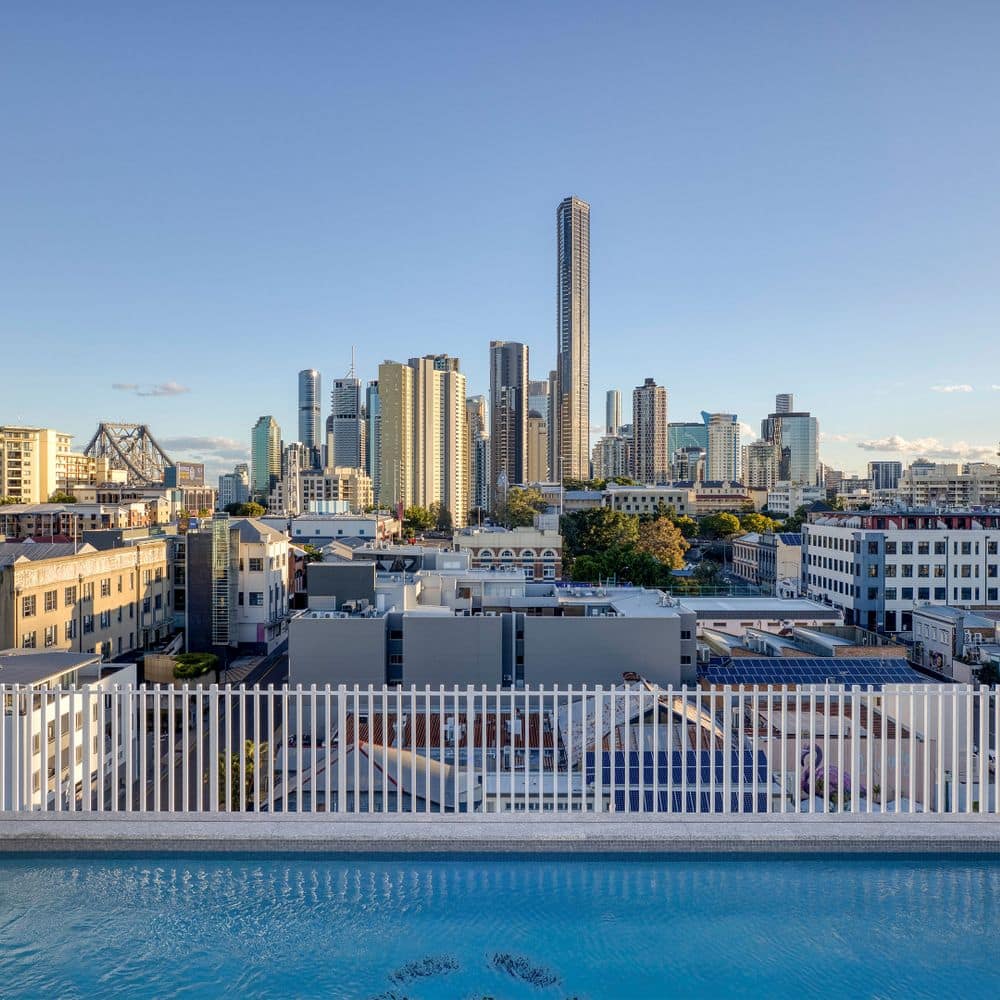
(636, 748)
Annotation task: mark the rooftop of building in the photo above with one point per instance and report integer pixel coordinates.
(59, 508)
(252, 530)
(31, 666)
(28, 551)
(762, 607)
(945, 613)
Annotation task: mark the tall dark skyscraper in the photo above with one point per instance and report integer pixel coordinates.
(509, 411)
(572, 408)
(310, 405)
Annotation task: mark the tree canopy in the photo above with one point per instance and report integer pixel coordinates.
(441, 516)
(61, 496)
(417, 519)
(250, 509)
(721, 525)
(760, 523)
(662, 540)
(521, 507)
(597, 530)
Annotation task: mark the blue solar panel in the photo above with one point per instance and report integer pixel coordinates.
(620, 774)
(849, 671)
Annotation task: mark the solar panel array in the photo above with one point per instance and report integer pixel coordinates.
(812, 670)
(691, 775)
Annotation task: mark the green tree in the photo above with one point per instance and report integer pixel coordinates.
(521, 507)
(250, 509)
(760, 523)
(417, 519)
(988, 675)
(662, 540)
(61, 496)
(796, 520)
(587, 569)
(229, 775)
(708, 573)
(190, 665)
(313, 554)
(442, 516)
(7, 501)
(588, 532)
(722, 525)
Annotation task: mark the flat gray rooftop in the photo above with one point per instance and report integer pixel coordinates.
(762, 607)
(30, 666)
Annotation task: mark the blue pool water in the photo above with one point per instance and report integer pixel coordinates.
(465, 928)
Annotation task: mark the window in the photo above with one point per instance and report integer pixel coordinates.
(924, 570)
(940, 593)
(906, 548)
(923, 548)
(69, 629)
(940, 548)
(890, 548)
(873, 593)
(907, 593)
(239, 599)
(88, 591)
(146, 604)
(685, 659)
(991, 570)
(966, 548)
(991, 594)
(29, 640)
(966, 593)
(685, 633)
(28, 607)
(51, 634)
(873, 548)
(158, 602)
(991, 548)
(106, 587)
(88, 624)
(395, 659)
(256, 598)
(69, 595)
(940, 572)
(966, 572)
(907, 570)
(890, 593)
(923, 593)
(158, 574)
(119, 583)
(105, 619)
(256, 565)
(51, 599)
(890, 570)
(873, 570)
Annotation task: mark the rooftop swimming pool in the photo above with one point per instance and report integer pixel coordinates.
(507, 928)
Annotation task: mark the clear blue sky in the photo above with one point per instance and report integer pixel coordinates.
(785, 197)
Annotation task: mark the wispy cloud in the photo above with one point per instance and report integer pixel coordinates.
(997, 387)
(206, 448)
(829, 436)
(929, 448)
(169, 388)
(747, 433)
(962, 387)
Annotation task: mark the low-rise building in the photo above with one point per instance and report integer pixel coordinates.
(56, 738)
(319, 529)
(483, 628)
(780, 563)
(237, 586)
(950, 485)
(73, 597)
(746, 557)
(948, 640)
(878, 565)
(68, 520)
(535, 550)
(784, 499)
(734, 615)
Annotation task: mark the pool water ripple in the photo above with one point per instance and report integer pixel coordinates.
(544, 928)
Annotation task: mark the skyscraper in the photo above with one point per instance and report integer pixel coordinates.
(885, 475)
(508, 411)
(649, 432)
(795, 435)
(551, 416)
(572, 417)
(265, 457)
(723, 459)
(348, 435)
(423, 435)
(373, 434)
(478, 452)
(612, 412)
(310, 417)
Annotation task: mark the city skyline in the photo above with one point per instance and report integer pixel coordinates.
(711, 254)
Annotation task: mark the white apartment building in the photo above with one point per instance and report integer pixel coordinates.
(262, 604)
(746, 557)
(878, 565)
(926, 484)
(784, 499)
(59, 743)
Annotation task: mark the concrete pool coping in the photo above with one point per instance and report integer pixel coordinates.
(500, 832)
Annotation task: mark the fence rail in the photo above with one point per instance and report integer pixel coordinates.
(633, 749)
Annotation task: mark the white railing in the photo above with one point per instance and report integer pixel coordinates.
(288, 751)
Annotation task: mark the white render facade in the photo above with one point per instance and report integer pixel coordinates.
(877, 566)
(262, 604)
